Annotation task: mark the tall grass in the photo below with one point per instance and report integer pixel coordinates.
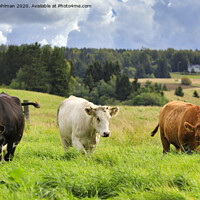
(127, 165)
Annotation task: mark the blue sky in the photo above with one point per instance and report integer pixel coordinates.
(128, 24)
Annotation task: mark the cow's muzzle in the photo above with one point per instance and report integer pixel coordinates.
(106, 134)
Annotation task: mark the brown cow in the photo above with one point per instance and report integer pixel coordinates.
(179, 125)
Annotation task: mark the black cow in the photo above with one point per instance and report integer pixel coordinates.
(11, 124)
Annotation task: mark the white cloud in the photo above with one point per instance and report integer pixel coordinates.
(5, 28)
(3, 40)
(43, 42)
(117, 25)
(108, 23)
(59, 41)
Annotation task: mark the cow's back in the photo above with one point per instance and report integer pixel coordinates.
(71, 115)
(170, 119)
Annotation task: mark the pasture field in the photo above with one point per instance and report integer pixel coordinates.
(127, 165)
(178, 75)
(175, 80)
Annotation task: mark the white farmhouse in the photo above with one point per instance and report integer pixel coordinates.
(193, 68)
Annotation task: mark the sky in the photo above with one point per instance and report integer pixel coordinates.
(117, 24)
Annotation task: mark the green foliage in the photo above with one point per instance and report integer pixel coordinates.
(147, 99)
(133, 63)
(101, 93)
(93, 74)
(165, 87)
(179, 91)
(43, 70)
(179, 61)
(185, 81)
(10, 63)
(123, 87)
(65, 71)
(135, 85)
(162, 70)
(195, 94)
(111, 69)
(59, 73)
(140, 72)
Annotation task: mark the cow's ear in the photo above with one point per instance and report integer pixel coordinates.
(114, 111)
(90, 111)
(189, 127)
(2, 129)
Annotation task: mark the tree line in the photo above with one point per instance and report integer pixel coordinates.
(35, 68)
(142, 63)
(100, 75)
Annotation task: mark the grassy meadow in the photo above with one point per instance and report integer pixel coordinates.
(174, 81)
(127, 165)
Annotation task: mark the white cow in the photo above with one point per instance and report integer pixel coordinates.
(80, 121)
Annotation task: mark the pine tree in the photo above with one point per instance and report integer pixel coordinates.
(12, 64)
(140, 72)
(59, 73)
(179, 91)
(195, 94)
(123, 87)
(93, 74)
(32, 74)
(135, 85)
(162, 70)
(111, 69)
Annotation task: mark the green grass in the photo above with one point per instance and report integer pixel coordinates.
(178, 75)
(127, 165)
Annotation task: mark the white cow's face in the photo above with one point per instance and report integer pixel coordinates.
(101, 116)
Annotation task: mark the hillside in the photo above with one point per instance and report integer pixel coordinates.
(127, 165)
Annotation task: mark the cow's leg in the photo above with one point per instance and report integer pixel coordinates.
(177, 149)
(165, 142)
(93, 147)
(9, 150)
(1, 146)
(12, 152)
(78, 145)
(2, 140)
(66, 144)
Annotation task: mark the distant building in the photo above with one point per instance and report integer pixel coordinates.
(194, 68)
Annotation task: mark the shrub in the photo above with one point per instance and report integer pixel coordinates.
(147, 99)
(165, 87)
(179, 91)
(185, 81)
(195, 94)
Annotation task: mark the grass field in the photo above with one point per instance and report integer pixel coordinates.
(127, 165)
(175, 80)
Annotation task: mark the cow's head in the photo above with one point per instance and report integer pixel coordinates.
(101, 116)
(194, 135)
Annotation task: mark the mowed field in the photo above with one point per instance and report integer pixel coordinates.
(127, 165)
(173, 82)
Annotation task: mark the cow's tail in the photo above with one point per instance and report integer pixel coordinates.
(35, 104)
(155, 130)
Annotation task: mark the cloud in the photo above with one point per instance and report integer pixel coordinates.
(132, 24)
(59, 40)
(43, 42)
(30, 25)
(3, 39)
(127, 25)
(177, 26)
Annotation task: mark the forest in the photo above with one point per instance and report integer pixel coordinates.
(99, 75)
